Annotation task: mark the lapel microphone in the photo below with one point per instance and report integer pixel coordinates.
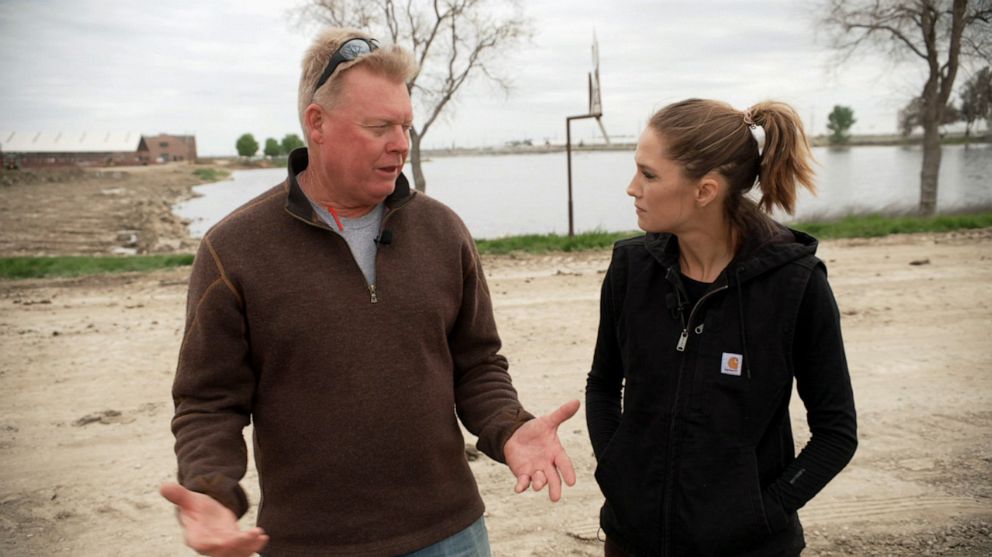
(385, 238)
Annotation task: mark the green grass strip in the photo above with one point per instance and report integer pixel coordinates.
(876, 225)
(543, 243)
(78, 265)
(856, 226)
(211, 174)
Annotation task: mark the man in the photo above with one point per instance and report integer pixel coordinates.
(349, 319)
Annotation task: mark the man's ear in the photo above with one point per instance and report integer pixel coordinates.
(314, 118)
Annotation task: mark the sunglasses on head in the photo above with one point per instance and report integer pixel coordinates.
(348, 51)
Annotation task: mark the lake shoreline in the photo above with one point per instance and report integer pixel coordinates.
(128, 210)
(818, 141)
(528, 194)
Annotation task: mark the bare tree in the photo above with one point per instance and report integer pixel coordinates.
(453, 40)
(911, 116)
(976, 100)
(939, 32)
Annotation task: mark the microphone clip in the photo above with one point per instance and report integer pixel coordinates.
(384, 238)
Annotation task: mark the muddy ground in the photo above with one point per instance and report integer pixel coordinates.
(86, 366)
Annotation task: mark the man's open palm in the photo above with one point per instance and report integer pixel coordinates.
(211, 528)
(535, 455)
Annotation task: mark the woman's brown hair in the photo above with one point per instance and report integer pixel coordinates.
(706, 135)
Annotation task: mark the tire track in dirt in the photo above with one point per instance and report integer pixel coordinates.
(889, 509)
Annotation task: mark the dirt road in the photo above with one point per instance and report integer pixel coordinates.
(86, 366)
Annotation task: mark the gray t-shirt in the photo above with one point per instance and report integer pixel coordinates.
(360, 233)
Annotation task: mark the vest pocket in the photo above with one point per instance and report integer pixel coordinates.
(719, 499)
(627, 475)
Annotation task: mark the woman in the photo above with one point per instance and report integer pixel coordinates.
(705, 322)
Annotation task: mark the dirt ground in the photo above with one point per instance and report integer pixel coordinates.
(86, 366)
(94, 211)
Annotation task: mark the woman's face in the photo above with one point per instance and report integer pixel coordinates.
(663, 196)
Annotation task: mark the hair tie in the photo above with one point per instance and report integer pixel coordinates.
(749, 120)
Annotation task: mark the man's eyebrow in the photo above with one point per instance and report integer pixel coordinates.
(379, 121)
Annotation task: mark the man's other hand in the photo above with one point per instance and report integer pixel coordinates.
(211, 528)
(535, 455)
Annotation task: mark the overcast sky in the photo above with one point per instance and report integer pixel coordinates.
(219, 68)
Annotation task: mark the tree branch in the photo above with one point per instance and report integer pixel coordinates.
(389, 14)
(895, 33)
(452, 40)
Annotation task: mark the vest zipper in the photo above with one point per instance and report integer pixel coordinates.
(673, 430)
(375, 299)
(684, 337)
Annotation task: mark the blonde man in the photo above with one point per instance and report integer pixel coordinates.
(349, 320)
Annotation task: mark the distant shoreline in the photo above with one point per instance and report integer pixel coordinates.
(818, 141)
(956, 138)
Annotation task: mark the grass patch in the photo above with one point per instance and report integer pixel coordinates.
(854, 226)
(78, 265)
(281, 161)
(542, 243)
(211, 174)
(876, 225)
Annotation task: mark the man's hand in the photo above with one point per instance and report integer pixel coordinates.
(535, 455)
(211, 528)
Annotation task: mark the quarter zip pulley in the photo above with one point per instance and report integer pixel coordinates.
(371, 287)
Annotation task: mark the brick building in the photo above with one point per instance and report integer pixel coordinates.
(167, 148)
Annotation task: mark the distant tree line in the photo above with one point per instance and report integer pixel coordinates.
(975, 106)
(247, 145)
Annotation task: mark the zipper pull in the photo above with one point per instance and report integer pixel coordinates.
(682, 339)
(375, 299)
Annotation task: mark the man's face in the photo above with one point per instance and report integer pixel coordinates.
(364, 138)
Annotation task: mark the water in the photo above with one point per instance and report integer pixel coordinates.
(217, 200)
(527, 194)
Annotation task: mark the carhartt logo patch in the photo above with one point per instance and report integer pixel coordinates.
(731, 364)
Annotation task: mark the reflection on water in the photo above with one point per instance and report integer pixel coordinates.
(525, 194)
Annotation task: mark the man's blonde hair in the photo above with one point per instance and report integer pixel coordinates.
(392, 62)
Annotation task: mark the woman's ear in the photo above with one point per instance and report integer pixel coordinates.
(708, 189)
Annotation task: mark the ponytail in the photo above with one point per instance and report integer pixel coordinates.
(785, 158)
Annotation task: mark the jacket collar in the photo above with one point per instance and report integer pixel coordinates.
(298, 204)
(755, 257)
(783, 246)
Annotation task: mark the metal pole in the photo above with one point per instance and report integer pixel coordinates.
(568, 150)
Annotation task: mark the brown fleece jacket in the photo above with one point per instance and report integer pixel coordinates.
(353, 390)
